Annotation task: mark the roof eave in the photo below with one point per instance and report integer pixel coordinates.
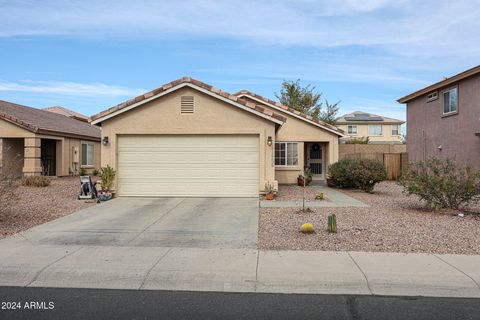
(97, 119)
(460, 76)
(243, 93)
(68, 135)
(18, 123)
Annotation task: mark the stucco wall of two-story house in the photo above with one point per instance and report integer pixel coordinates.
(430, 133)
(362, 132)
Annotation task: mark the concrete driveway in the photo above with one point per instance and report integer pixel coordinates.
(157, 222)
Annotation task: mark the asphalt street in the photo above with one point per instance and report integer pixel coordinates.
(69, 303)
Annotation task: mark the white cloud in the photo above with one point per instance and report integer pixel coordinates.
(427, 28)
(68, 88)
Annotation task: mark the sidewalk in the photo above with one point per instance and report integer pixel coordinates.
(333, 199)
(238, 270)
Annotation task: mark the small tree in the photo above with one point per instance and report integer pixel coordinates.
(306, 100)
(8, 177)
(441, 183)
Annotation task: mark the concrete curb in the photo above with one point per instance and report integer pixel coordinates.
(241, 270)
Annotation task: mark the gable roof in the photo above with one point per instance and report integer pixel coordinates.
(197, 85)
(41, 121)
(360, 116)
(67, 112)
(447, 81)
(290, 111)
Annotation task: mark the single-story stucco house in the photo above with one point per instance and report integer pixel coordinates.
(39, 142)
(188, 138)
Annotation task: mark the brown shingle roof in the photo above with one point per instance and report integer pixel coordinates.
(67, 112)
(40, 121)
(290, 110)
(197, 83)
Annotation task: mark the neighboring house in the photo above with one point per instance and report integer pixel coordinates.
(378, 129)
(67, 112)
(444, 119)
(188, 138)
(38, 142)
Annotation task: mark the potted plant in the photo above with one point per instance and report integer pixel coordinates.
(301, 179)
(269, 191)
(107, 174)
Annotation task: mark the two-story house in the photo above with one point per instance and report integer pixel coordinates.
(444, 119)
(378, 129)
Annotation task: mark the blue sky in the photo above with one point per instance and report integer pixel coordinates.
(90, 55)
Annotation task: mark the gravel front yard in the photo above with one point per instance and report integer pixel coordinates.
(393, 223)
(33, 206)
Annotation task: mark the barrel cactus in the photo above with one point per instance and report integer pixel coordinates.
(332, 223)
(307, 228)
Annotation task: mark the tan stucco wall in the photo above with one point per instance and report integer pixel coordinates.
(64, 149)
(362, 131)
(211, 116)
(296, 130)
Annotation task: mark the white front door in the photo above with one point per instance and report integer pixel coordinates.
(315, 160)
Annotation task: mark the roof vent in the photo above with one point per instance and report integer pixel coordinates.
(187, 105)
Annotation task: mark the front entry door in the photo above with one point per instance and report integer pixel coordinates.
(315, 160)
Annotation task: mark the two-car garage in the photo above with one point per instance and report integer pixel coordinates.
(188, 165)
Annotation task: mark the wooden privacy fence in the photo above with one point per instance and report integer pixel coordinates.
(393, 156)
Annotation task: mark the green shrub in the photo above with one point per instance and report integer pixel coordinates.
(83, 171)
(107, 174)
(357, 173)
(361, 140)
(441, 183)
(36, 181)
(95, 172)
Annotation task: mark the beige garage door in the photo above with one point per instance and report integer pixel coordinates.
(188, 165)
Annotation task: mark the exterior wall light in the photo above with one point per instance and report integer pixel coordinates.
(105, 141)
(269, 141)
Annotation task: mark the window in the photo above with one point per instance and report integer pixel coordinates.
(432, 96)
(87, 154)
(352, 129)
(450, 101)
(286, 153)
(395, 130)
(375, 130)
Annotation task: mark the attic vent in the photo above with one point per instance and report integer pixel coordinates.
(186, 105)
(432, 96)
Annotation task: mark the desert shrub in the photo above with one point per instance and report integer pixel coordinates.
(441, 183)
(357, 173)
(83, 171)
(8, 178)
(360, 140)
(36, 181)
(107, 174)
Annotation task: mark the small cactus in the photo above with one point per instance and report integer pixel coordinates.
(319, 196)
(307, 228)
(332, 223)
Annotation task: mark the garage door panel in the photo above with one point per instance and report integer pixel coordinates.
(217, 166)
(217, 157)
